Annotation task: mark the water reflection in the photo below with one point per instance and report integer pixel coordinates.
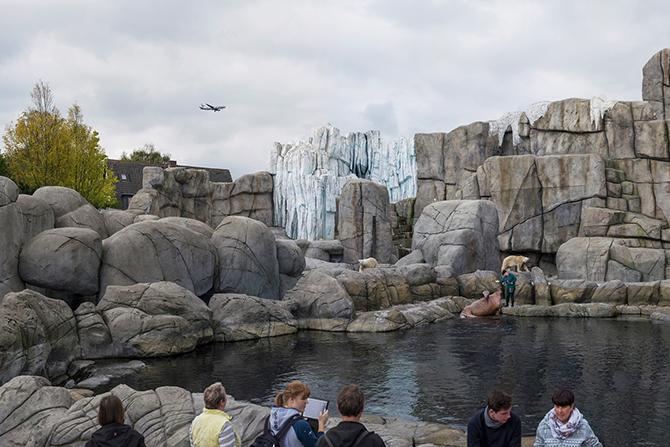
(443, 372)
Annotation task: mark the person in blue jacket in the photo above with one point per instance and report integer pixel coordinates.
(288, 403)
(509, 281)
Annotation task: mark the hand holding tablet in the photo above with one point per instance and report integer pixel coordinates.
(315, 407)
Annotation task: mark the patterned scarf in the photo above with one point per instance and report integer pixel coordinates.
(559, 430)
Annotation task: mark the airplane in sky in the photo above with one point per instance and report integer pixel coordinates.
(207, 106)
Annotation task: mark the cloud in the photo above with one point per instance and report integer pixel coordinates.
(140, 70)
(381, 117)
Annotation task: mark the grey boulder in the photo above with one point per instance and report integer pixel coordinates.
(37, 216)
(71, 209)
(462, 234)
(153, 251)
(244, 317)
(39, 335)
(11, 238)
(319, 301)
(117, 220)
(248, 258)
(64, 259)
(29, 408)
(364, 221)
(153, 320)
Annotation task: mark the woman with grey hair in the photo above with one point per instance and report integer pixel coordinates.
(213, 426)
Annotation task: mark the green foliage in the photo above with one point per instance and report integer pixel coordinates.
(4, 172)
(45, 149)
(146, 154)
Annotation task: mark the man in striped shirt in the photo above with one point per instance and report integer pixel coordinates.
(213, 428)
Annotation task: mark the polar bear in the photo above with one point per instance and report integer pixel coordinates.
(368, 263)
(518, 261)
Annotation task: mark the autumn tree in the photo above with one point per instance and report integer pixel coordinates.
(4, 172)
(45, 149)
(146, 154)
(89, 173)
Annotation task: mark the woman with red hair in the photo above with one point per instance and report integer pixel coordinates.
(289, 403)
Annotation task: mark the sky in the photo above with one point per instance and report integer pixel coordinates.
(140, 69)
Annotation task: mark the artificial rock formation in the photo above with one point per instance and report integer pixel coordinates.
(459, 234)
(562, 169)
(71, 209)
(154, 320)
(49, 259)
(11, 237)
(35, 413)
(182, 192)
(308, 176)
(244, 317)
(158, 251)
(363, 225)
(247, 254)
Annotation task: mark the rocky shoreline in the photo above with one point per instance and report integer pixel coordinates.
(35, 413)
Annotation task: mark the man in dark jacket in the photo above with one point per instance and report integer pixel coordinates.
(350, 432)
(509, 282)
(496, 425)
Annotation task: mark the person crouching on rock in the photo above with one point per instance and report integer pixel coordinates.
(564, 425)
(496, 425)
(288, 403)
(213, 426)
(113, 432)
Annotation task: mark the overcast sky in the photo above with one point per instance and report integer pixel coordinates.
(140, 69)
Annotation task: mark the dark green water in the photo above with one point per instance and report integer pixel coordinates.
(618, 369)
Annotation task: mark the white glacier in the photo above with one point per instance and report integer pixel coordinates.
(308, 176)
(599, 108)
(509, 120)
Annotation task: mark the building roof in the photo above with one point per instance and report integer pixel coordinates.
(130, 175)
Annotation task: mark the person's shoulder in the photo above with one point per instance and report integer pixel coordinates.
(586, 426)
(475, 419)
(374, 439)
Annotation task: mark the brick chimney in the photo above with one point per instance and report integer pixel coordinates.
(173, 163)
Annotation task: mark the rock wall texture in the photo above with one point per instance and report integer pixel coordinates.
(182, 192)
(459, 234)
(58, 245)
(364, 222)
(563, 169)
(37, 414)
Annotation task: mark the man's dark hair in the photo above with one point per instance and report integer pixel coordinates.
(503, 272)
(350, 401)
(563, 398)
(499, 400)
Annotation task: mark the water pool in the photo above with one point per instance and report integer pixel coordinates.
(619, 370)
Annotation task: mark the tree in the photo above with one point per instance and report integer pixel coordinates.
(146, 154)
(45, 149)
(90, 175)
(4, 172)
